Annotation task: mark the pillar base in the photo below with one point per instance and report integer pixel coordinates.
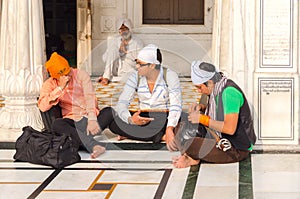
(19, 112)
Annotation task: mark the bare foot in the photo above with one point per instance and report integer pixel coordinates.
(119, 138)
(103, 81)
(97, 150)
(163, 138)
(184, 161)
(175, 159)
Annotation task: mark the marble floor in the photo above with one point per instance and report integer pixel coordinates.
(140, 173)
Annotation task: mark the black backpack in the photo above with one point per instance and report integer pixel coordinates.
(50, 116)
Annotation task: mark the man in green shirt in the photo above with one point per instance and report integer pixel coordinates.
(225, 130)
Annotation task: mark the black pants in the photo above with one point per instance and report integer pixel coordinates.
(153, 131)
(77, 129)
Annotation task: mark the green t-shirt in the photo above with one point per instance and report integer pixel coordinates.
(233, 100)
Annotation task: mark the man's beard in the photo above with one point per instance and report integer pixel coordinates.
(126, 35)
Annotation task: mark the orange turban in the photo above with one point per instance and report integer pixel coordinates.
(57, 66)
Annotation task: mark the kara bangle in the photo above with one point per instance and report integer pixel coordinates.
(204, 119)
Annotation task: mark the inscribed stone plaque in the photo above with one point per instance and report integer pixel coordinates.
(276, 108)
(276, 34)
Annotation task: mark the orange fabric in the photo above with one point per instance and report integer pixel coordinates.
(204, 119)
(77, 99)
(57, 66)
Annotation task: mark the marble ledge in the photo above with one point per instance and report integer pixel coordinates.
(280, 148)
(11, 135)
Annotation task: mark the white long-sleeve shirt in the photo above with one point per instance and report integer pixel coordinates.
(111, 57)
(166, 95)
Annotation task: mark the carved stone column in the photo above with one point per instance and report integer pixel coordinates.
(22, 55)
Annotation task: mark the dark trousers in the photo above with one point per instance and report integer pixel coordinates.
(196, 142)
(205, 149)
(153, 131)
(78, 129)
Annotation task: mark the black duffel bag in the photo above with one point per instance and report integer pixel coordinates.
(46, 148)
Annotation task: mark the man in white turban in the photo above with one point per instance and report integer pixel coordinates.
(224, 130)
(121, 52)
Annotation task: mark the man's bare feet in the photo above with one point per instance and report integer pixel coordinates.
(184, 161)
(97, 150)
(103, 81)
(119, 138)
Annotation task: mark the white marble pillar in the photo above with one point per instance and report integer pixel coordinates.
(0, 14)
(22, 55)
(233, 44)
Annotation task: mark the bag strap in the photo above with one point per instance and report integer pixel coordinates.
(165, 75)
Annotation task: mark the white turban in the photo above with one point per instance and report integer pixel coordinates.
(149, 54)
(200, 76)
(125, 21)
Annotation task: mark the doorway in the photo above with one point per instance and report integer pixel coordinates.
(60, 28)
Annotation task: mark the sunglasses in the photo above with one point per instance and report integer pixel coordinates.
(141, 65)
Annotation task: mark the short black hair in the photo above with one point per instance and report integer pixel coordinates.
(158, 55)
(217, 77)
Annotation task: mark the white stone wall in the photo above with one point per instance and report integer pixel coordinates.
(276, 76)
(180, 45)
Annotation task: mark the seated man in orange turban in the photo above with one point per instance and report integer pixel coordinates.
(73, 91)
